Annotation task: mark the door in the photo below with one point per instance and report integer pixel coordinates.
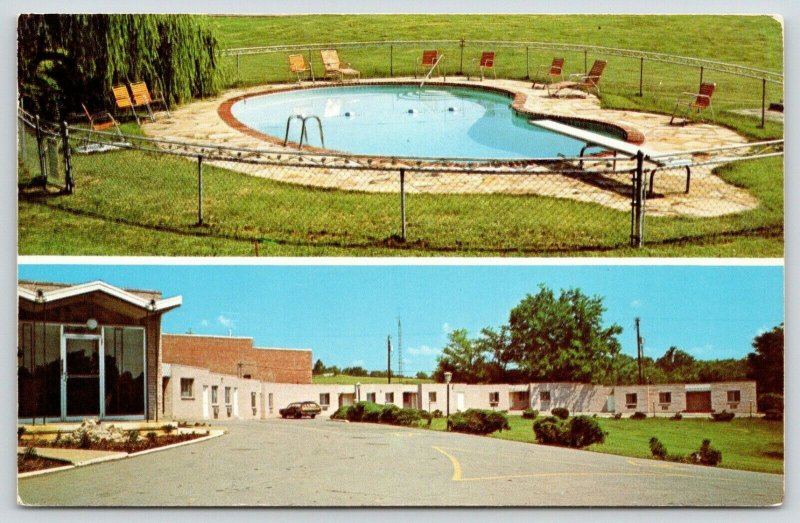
(698, 401)
(81, 387)
(205, 401)
(459, 401)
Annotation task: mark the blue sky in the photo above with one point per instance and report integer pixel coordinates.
(344, 313)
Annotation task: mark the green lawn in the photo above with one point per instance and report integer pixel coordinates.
(746, 443)
(352, 380)
(140, 204)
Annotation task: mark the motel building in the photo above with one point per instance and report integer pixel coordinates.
(97, 351)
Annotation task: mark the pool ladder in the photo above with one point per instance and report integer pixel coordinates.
(433, 67)
(303, 133)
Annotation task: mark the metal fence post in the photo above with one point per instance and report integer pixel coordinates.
(311, 67)
(763, 102)
(403, 203)
(200, 189)
(641, 74)
(238, 67)
(527, 63)
(69, 183)
(461, 63)
(637, 202)
(391, 61)
(40, 150)
(701, 73)
(585, 62)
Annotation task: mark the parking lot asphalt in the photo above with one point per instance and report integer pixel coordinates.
(323, 463)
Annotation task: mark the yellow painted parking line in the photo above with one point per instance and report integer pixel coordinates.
(454, 461)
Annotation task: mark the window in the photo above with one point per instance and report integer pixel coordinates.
(544, 395)
(325, 399)
(214, 394)
(494, 398)
(371, 397)
(227, 395)
(523, 395)
(253, 399)
(631, 400)
(390, 397)
(734, 396)
(432, 397)
(665, 397)
(187, 386)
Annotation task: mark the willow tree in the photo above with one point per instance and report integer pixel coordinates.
(68, 59)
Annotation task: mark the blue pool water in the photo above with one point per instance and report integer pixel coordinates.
(403, 120)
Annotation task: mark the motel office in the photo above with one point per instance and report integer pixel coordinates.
(95, 350)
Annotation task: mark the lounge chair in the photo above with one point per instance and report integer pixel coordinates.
(334, 68)
(554, 70)
(698, 102)
(101, 121)
(299, 67)
(123, 99)
(485, 63)
(580, 81)
(430, 58)
(142, 97)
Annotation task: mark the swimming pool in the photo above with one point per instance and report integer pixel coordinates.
(406, 121)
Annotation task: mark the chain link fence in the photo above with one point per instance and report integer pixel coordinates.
(655, 78)
(300, 198)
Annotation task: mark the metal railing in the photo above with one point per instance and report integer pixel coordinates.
(289, 196)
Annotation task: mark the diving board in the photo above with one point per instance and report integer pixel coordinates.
(617, 146)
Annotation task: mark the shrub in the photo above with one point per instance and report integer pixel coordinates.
(167, 428)
(579, 432)
(437, 413)
(770, 401)
(677, 417)
(529, 413)
(407, 417)
(20, 431)
(773, 415)
(722, 416)
(151, 437)
(133, 436)
(365, 411)
(560, 412)
(342, 412)
(585, 431)
(389, 414)
(707, 455)
(657, 449)
(618, 415)
(30, 453)
(478, 421)
(638, 415)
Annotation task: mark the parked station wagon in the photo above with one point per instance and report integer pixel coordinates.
(300, 409)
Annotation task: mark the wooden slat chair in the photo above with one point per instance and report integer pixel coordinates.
(142, 96)
(299, 67)
(429, 58)
(123, 99)
(581, 82)
(101, 121)
(334, 68)
(485, 63)
(697, 102)
(554, 71)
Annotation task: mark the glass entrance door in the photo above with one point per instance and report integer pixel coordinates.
(81, 377)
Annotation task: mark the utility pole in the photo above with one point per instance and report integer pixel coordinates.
(639, 352)
(389, 358)
(399, 349)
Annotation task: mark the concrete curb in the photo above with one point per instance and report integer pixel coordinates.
(121, 455)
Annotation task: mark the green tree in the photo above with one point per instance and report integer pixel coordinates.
(562, 338)
(64, 60)
(766, 363)
(678, 365)
(421, 375)
(319, 368)
(464, 357)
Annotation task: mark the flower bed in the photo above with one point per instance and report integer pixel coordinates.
(33, 463)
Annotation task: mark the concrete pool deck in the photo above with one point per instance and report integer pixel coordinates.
(200, 122)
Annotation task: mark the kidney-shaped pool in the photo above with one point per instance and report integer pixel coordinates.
(406, 121)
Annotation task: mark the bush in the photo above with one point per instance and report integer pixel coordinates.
(408, 417)
(342, 412)
(529, 413)
(579, 432)
(770, 401)
(167, 428)
(478, 421)
(389, 414)
(657, 449)
(722, 416)
(437, 413)
(773, 415)
(20, 432)
(560, 412)
(365, 411)
(29, 453)
(133, 436)
(707, 455)
(638, 415)
(151, 437)
(618, 415)
(677, 417)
